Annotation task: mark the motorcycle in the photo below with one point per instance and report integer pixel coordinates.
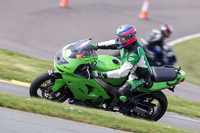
(169, 57)
(72, 80)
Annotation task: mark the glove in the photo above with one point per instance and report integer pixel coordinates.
(95, 46)
(100, 75)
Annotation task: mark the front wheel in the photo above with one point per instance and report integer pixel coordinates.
(41, 87)
(151, 106)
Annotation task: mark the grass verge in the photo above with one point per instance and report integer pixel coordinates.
(183, 107)
(86, 115)
(21, 67)
(188, 58)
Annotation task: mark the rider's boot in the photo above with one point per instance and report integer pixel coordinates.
(127, 101)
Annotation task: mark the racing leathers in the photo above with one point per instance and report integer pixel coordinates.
(135, 65)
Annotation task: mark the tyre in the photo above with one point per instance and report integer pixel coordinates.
(151, 106)
(41, 87)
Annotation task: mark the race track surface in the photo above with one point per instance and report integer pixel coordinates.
(40, 27)
(12, 121)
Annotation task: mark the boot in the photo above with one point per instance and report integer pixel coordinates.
(127, 106)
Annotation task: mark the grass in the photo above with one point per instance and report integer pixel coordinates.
(21, 67)
(188, 56)
(183, 107)
(86, 115)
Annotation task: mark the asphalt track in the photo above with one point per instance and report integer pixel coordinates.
(40, 28)
(32, 123)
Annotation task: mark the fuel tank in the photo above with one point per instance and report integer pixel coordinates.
(107, 63)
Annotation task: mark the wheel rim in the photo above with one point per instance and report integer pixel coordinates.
(44, 90)
(151, 105)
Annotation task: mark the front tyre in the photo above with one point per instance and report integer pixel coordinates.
(41, 87)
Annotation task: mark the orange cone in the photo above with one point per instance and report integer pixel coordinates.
(144, 11)
(63, 3)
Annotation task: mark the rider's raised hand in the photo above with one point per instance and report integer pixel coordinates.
(101, 75)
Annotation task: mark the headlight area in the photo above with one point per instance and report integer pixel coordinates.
(59, 59)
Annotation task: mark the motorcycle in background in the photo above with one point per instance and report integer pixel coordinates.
(168, 56)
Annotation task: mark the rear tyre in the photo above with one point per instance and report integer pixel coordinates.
(41, 87)
(155, 105)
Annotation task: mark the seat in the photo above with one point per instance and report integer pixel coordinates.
(161, 74)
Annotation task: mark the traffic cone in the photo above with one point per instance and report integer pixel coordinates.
(144, 11)
(63, 3)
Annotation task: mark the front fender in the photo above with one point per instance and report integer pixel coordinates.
(59, 82)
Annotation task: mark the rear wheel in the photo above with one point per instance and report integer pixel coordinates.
(151, 106)
(41, 87)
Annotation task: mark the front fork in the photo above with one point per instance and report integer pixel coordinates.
(59, 82)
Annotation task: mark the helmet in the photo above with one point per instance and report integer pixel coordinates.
(166, 29)
(125, 35)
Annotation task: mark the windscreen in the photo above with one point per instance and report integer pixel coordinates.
(81, 49)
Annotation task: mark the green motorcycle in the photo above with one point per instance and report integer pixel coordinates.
(72, 80)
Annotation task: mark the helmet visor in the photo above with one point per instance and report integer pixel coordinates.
(122, 39)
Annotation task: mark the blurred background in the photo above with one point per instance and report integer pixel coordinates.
(41, 27)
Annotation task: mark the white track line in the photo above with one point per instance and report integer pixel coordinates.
(182, 117)
(182, 39)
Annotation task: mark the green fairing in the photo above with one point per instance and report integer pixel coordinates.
(79, 87)
(58, 84)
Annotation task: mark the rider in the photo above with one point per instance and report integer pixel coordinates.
(135, 64)
(156, 42)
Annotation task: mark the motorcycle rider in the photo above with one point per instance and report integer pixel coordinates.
(135, 64)
(156, 42)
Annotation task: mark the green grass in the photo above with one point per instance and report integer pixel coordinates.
(183, 107)
(188, 56)
(21, 67)
(86, 115)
